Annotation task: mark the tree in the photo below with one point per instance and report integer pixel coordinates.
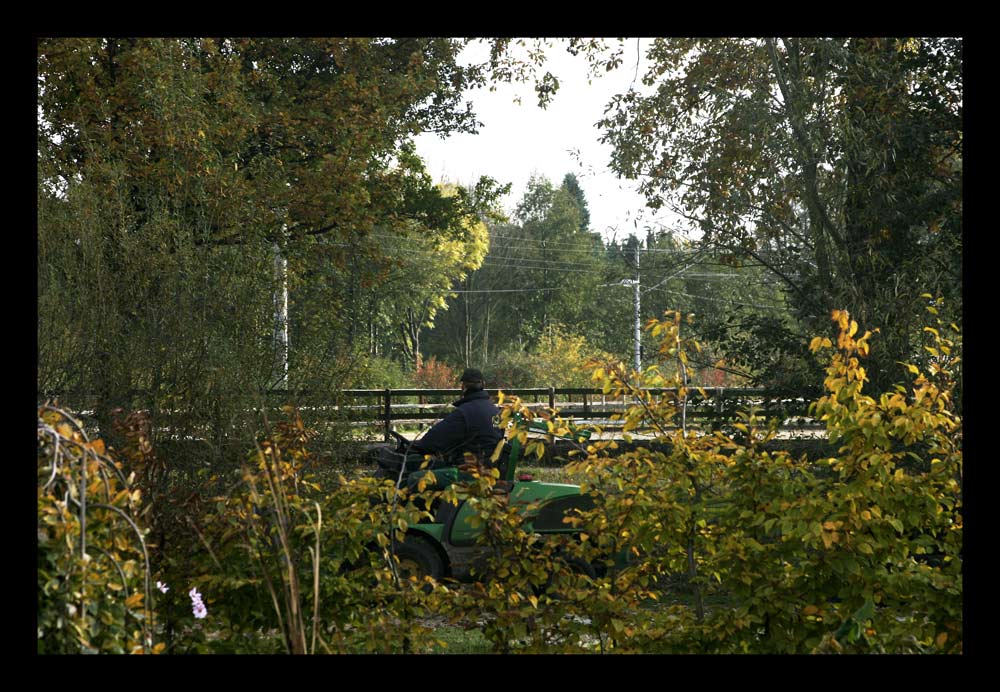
(572, 186)
(540, 271)
(170, 170)
(834, 163)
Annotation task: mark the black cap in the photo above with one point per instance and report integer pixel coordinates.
(472, 375)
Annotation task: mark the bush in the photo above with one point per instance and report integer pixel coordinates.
(93, 573)
(433, 374)
(702, 543)
(559, 359)
(860, 553)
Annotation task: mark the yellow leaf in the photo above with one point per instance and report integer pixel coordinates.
(810, 610)
(853, 329)
(134, 600)
(201, 133)
(941, 639)
(97, 446)
(534, 601)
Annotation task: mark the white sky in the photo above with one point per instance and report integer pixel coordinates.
(517, 141)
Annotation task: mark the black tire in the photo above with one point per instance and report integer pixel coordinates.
(576, 566)
(581, 566)
(417, 557)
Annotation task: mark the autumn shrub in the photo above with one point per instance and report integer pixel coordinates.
(528, 595)
(697, 541)
(287, 565)
(859, 552)
(433, 374)
(558, 359)
(94, 589)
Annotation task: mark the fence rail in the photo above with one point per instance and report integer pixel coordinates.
(384, 407)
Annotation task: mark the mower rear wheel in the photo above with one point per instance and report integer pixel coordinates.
(417, 557)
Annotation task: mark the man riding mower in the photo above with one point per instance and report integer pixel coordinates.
(455, 450)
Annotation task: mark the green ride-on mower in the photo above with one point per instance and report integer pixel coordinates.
(447, 546)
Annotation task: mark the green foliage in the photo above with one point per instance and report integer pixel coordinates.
(558, 360)
(93, 571)
(377, 372)
(548, 252)
(183, 184)
(833, 163)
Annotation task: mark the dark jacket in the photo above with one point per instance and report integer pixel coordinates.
(469, 428)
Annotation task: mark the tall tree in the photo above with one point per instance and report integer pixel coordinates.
(572, 186)
(169, 169)
(835, 163)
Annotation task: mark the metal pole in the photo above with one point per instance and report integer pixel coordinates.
(635, 288)
(388, 414)
(281, 315)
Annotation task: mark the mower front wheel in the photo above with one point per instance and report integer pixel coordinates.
(417, 557)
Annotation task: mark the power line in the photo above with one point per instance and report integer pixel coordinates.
(722, 300)
(514, 290)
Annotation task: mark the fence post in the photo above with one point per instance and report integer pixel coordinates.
(552, 398)
(388, 414)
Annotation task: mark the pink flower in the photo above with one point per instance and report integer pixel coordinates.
(162, 587)
(197, 606)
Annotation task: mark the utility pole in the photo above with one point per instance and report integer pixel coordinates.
(634, 283)
(635, 287)
(281, 315)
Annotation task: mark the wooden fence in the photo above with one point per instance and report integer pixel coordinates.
(384, 408)
(718, 404)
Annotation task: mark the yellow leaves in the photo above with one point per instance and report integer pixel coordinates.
(829, 532)
(842, 318)
(819, 342)
(941, 640)
(135, 600)
(497, 450)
